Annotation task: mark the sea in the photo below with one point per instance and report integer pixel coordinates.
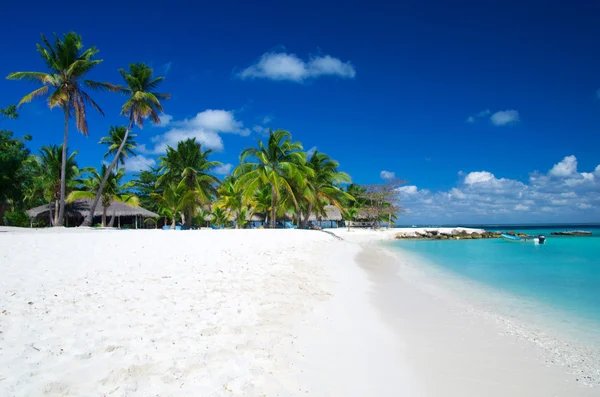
(555, 285)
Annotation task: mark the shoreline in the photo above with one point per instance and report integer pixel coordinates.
(572, 365)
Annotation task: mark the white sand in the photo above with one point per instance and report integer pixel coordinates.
(244, 313)
(204, 313)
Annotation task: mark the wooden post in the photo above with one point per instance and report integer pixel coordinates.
(136, 222)
(119, 221)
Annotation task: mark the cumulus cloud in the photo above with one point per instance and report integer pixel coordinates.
(564, 168)
(387, 175)
(478, 177)
(260, 129)
(410, 190)
(223, 169)
(206, 127)
(505, 117)
(139, 163)
(562, 194)
(470, 119)
(283, 66)
(267, 119)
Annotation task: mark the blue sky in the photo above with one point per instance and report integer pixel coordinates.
(491, 112)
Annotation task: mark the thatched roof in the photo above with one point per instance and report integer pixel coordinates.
(81, 208)
(332, 213)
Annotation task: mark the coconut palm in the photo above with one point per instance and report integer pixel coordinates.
(189, 166)
(46, 170)
(279, 164)
(143, 102)
(219, 216)
(322, 186)
(68, 63)
(114, 190)
(229, 198)
(173, 201)
(114, 139)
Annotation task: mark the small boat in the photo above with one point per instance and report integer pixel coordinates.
(525, 239)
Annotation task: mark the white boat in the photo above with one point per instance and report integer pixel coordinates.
(525, 239)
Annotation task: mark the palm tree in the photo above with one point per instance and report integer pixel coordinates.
(219, 216)
(322, 186)
(114, 139)
(46, 170)
(230, 199)
(279, 164)
(113, 191)
(189, 166)
(173, 201)
(143, 102)
(68, 64)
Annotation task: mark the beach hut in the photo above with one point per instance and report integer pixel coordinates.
(332, 217)
(120, 214)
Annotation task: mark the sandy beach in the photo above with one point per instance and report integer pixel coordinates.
(248, 313)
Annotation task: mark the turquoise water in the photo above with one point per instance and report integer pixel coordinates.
(563, 274)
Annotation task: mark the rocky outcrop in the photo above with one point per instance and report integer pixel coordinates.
(572, 233)
(446, 234)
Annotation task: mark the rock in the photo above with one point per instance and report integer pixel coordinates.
(466, 237)
(511, 233)
(475, 236)
(455, 232)
(572, 233)
(521, 234)
(433, 232)
(443, 237)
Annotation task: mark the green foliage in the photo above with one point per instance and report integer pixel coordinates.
(13, 177)
(16, 218)
(173, 201)
(188, 167)
(144, 184)
(280, 164)
(117, 137)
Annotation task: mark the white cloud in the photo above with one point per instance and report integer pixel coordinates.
(206, 127)
(387, 175)
(267, 119)
(564, 168)
(167, 67)
(139, 163)
(470, 119)
(563, 194)
(478, 177)
(409, 190)
(505, 117)
(284, 66)
(310, 151)
(223, 169)
(217, 121)
(165, 119)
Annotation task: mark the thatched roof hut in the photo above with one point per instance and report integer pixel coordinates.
(332, 213)
(80, 209)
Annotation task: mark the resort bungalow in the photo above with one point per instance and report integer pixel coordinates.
(117, 214)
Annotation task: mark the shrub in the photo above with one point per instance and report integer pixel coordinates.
(16, 218)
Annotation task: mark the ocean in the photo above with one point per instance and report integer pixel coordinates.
(554, 285)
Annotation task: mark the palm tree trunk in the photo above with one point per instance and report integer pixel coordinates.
(56, 209)
(112, 220)
(63, 169)
(104, 217)
(88, 220)
(173, 223)
(307, 216)
(273, 209)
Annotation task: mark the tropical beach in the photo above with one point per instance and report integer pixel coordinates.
(250, 312)
(273, 199)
